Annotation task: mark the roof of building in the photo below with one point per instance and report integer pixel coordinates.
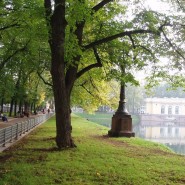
(165, 100)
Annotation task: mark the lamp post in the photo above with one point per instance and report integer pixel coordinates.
(121, 120)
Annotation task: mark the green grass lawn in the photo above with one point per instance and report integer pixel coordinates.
(100, 118)
(104, 119)
(97, 160)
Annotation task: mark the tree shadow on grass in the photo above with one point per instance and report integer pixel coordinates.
(49, 139)
(52, 149)
(4, 158)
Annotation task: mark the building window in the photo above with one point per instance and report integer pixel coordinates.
(177, 110)
(176, 132)
(162, 109)
(162, 132)
(169, 131)
(169, 110)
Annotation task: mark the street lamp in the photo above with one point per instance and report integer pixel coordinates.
(121, 120)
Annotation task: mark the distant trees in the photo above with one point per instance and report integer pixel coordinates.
(165, 90)
(22, 55)
(135, 96)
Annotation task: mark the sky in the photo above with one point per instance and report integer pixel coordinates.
(157, 5)
(161, 7)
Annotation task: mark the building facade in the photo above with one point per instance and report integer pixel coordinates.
(163, 112)
(163, 120)
(165, 106)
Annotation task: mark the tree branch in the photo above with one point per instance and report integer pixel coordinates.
(180, 5)
(97, 57)
(2, 64)
(171, 44)
(48, 13)
(143, 47)
(48, 9)
(101, 4)
(91, 66)
(119, 35)
(93, 85)
(132, 40)
(82, 85)
(42, 78)
(9, 26)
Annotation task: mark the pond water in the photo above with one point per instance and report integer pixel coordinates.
(172, 135)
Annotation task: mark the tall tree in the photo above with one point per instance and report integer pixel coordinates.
(70, 26)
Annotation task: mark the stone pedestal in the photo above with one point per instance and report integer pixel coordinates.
(121, 126)
(121, 120)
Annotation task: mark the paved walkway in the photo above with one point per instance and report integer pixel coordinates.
(12, 121)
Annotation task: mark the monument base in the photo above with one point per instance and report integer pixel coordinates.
(121, 126)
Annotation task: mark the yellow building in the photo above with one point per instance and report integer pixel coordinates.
(163, 119)
(165, 106)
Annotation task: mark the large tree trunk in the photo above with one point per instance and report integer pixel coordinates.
(63, 74)
(62, 102)
(61, 87)
(63, 116)
(62, 106)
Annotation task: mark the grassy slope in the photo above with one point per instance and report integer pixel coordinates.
(97, 159)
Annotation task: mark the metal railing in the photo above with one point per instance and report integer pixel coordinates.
(11, 133)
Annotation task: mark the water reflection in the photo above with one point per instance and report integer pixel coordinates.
(169, 133)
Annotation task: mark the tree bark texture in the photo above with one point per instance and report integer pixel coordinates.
(60, 84)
